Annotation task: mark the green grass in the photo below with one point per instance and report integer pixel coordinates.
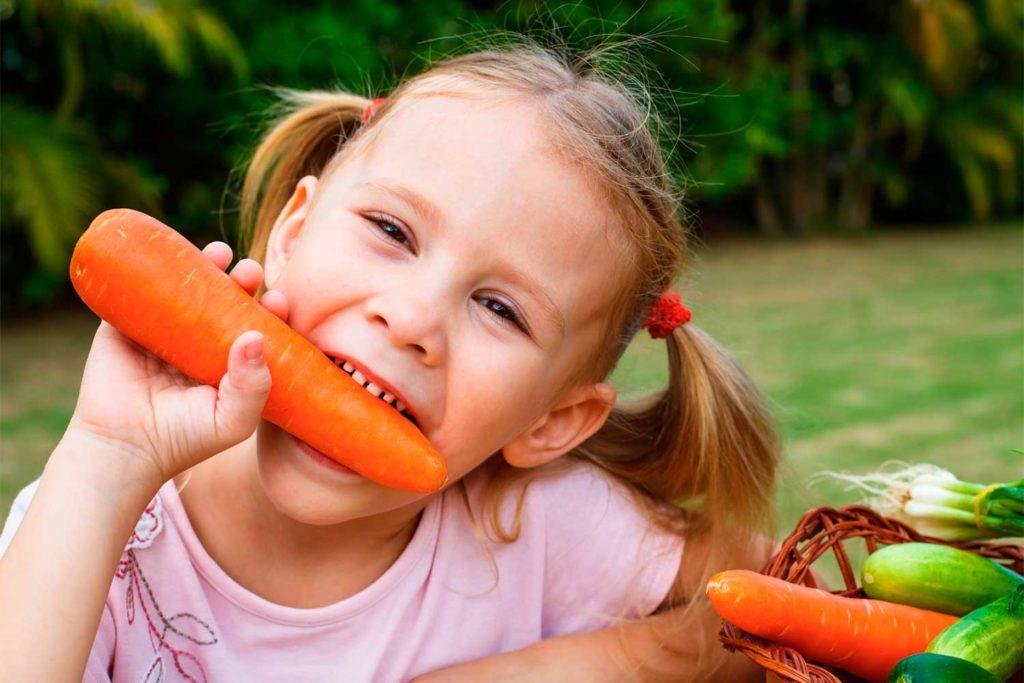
(906, 346)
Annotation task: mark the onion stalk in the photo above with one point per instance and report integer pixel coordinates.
(935, 503)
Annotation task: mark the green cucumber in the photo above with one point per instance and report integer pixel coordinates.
(936, 577)
(931, 668)
(991, 636)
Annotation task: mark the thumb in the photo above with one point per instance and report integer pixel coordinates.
(243, 390)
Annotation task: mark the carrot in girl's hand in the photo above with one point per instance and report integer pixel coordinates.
(864, 637)
(158, 289)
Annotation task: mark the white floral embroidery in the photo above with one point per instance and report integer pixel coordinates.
(149, 526)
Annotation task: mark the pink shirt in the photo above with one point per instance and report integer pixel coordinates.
(585, 555)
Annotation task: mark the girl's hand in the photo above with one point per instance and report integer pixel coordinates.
(153, 414)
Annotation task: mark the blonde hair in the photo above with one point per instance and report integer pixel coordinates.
(706, 444)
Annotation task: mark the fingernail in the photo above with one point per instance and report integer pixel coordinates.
(254, 352)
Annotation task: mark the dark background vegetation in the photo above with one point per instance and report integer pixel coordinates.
(854, 172)
(789, 118)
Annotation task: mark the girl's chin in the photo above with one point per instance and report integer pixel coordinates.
(308, 487)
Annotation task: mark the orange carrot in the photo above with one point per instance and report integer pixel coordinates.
(864, 637)
(158, 289)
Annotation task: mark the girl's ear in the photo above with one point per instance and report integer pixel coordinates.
(287, 229)
(567, 425)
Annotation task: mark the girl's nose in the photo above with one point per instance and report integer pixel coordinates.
(410, 323)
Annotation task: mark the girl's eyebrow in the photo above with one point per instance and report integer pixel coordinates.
(426, 209)
(429, 212)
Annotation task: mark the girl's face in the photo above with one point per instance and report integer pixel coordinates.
(463, 265)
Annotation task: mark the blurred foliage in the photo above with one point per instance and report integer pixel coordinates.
(796, 116)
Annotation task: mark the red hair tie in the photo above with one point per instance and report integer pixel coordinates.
(372, 107)
(667, 314)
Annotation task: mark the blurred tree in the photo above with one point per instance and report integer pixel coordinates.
(837, 101)
(56, 173)
(977, 116)
(796, 115)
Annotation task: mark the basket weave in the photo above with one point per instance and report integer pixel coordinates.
(818, 531)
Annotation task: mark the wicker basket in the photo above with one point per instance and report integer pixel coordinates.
(820, 530)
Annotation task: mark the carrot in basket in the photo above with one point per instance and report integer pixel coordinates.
(158, 289)
(864, 637)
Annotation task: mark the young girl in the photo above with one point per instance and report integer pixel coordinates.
(478, 249)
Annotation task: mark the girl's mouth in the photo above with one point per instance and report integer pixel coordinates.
(322, 458)
(373, 389)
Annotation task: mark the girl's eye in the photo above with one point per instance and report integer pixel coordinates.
(391, 230)
(503, 311)
(395, 233)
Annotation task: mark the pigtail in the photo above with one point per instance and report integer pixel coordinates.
(707, 446)
(706, 443)
(720, 430)
(313, 128)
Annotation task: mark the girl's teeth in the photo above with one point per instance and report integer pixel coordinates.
(371, 387)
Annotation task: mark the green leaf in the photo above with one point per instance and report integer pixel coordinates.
(52, 180)
(220, 43)
(57, 179)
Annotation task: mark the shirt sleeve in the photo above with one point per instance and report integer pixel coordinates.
(605, 560)
(18, 509)
(97, 669)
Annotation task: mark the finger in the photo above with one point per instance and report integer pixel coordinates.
(243, 391)
(275, 302)
(249, 274)
(219, 253)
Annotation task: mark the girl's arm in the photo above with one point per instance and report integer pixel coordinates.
(56, 573)
(611, 654)
(604, 655)
(137, 423)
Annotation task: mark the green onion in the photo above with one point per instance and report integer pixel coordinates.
(935, 503)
